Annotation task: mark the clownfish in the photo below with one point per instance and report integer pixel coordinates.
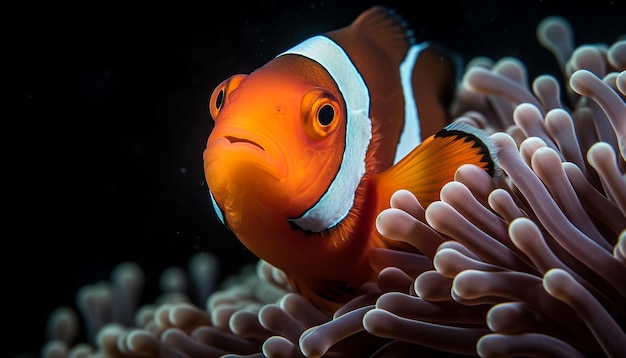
(308, 149)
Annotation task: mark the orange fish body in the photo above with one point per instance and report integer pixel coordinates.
(308, 149)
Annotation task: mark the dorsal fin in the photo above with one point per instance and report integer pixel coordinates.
(387, 29)
(436, 72)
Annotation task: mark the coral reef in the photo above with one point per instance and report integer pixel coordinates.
(530, 265)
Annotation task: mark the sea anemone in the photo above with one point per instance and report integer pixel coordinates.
(532, 264)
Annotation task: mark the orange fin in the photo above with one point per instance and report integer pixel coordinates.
(426, 169)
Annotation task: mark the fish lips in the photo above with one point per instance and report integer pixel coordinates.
(233, 140)
(242, 156)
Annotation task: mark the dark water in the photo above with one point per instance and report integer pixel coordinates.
(112, 121)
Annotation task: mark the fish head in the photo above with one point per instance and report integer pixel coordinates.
(276, 145)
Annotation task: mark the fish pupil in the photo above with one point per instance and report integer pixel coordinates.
(219, 101)
(326, 114)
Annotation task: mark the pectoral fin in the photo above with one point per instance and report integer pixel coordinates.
(426, 169)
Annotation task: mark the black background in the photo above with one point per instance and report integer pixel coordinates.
(104, 150)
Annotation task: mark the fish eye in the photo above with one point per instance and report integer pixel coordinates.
(221, 92)
(320, 113)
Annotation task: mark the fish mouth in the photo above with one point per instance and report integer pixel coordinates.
(232, 140)
(232, 148)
